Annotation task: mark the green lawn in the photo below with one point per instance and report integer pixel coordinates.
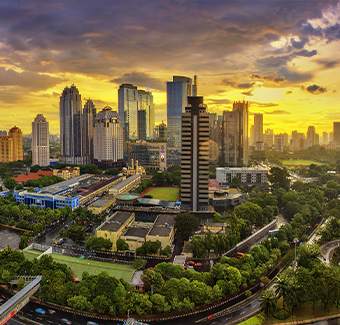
(93, 267)
(299, 162)
(163, 193)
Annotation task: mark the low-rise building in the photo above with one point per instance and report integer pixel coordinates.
(135, 237)
(162, 230)
(126, 185)
(247, 176)
(67, 172)
(222, 201)
(114, 226)
(97, 207)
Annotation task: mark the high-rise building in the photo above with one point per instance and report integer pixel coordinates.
(16, 134)
(336, 132)
(108, 139)
(6, 149)
(146, 105)
(215, 137)
(325, 138)
(298, 135)
(279, 140)
(178, 91)
(40, 141)
(258, 128)
(311, 134)
(268, 138)
(235, 135)
(160, 132)
(251, 136)
(89, 113)
(137, 112)
(71, 135)
(195, 155)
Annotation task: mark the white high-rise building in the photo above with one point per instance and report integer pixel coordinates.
(107, 138)
(40, 141)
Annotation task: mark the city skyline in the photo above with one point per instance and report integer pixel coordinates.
(280, 56)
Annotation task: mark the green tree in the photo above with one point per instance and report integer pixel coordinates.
(122, 245)
(278, 177)
(75, 232)
(186, 224)
(80, 303)
(139, 263)
(235, 182)
(197, 246)
(10, 183)
(250, 211)
(158, 179)
(101, 304)
(268, 301)
(35, 168)
(112, 171)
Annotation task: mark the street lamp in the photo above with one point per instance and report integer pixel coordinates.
(295, 242)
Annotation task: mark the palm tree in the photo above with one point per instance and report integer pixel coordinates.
(293, 295)
(268, 301)
(281, 286)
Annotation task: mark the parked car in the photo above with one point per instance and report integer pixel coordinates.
(198, 264)
(91, 323)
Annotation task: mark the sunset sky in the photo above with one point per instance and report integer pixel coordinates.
(281, 56)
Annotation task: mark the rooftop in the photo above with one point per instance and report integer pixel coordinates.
(136, 232)
(115, 221)
(125, 182)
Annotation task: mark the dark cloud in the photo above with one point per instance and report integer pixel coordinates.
(307, 53)
(263, 104)
(29, 80)
(227, 82)
(315, 89)
(248, 93)
(272, 77)
(333, 32)
(246, 85)
(289, 92)
(295, 76)
(140, 79)
(277, 112)
(328, 64)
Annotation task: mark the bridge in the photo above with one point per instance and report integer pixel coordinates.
(18, 301)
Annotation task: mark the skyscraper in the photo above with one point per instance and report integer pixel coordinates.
(137, 112)
(40, 141)
(108, 139)
(311, 134)
(89, 113)
(325, 138)
(336, 132)
(235, 135)
(71, 140)
(177, 92)
(16, 134)
(258, 128)
(269, 138)
(195, 155)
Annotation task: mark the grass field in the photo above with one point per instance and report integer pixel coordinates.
(93, 267)
(163, 193)
(299, 162)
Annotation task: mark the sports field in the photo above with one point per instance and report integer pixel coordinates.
(93, 267)
(163, 193)
(293, 163)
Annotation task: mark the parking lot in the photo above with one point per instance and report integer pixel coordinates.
(9, 237)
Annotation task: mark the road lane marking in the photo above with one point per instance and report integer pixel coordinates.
(253, 306)
(242, 312)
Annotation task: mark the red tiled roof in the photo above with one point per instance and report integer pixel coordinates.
(25, 178)
(213, 185)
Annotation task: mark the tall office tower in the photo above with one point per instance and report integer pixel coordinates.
(89, 113)
(336, 132)
(6, 149)
(141, 124)
(40, 141)
(128, 107)
(258, 128)
(195, 155)
(285, 139)
(146, 105)
(108, 139)
(16, 134)
(235, 135)
(160, 132)
(279, 142)
(71, 140)
(177, 92)
(215, 137)
(311, 134)
(3, 133)
(331, 136)
(269, 138)
(316, 139)
(251, 135)
(325, 138)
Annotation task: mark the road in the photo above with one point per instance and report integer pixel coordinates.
(327, 249)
